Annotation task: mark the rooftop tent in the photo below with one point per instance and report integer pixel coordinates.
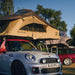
(25, 23)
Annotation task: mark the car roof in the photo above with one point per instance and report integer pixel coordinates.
(16, 40)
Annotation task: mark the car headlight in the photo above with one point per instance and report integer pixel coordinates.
(58, 60)
(43, 61)
(30, 57)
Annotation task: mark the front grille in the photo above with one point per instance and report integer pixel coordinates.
(49, 60)
(50, 70)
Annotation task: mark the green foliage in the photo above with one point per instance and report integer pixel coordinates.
(0, 15)
(73, 42)
(72, 33)
(6, 7)
(52, 16)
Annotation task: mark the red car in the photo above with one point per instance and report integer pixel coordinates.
(67, 55)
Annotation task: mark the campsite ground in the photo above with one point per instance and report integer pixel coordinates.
(69, 70)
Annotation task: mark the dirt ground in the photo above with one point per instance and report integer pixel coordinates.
(69, 70)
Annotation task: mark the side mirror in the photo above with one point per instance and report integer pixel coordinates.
(2, 50)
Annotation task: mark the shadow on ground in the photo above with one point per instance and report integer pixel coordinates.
(67, 70)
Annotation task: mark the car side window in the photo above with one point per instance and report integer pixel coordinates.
(60, 51)
(7, 47)
(72, 51)
(12, 46)
(66, 51)
(26, 46)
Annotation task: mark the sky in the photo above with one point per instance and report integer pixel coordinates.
(67, 8)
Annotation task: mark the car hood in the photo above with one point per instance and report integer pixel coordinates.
(40, 54)
(37, 54)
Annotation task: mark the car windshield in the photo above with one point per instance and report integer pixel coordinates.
(20, 46)
(42, 47)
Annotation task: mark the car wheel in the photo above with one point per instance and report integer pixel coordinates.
(18, 68)
(67, 61)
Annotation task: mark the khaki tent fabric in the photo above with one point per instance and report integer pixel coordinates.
(27, 25)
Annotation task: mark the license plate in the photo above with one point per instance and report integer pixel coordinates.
(53, 65)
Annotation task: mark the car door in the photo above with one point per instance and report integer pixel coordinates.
(4, 62)
(72, 54)
(67, 53)
(0, 62)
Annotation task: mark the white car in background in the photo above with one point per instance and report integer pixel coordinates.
(22, 58)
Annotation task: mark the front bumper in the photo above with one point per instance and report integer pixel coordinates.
(44, 69)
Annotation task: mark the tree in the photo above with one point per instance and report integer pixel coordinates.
(72, 33)
(52, 16)
(0, 15)
(6, 7)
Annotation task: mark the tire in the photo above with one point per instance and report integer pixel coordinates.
(67, 61)
(18, 68)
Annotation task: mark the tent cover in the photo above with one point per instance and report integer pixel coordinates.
(25, 23)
